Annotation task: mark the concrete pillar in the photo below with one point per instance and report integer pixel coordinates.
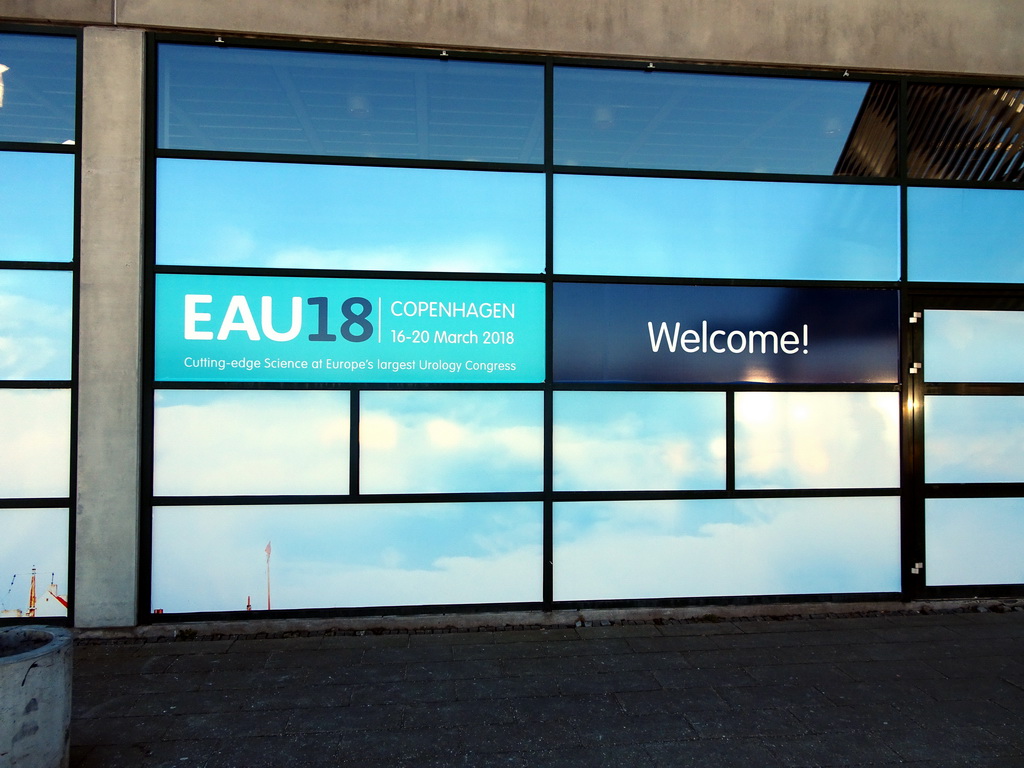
(107, 517)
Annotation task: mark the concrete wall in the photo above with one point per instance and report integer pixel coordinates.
(947, 36)
(110, 319)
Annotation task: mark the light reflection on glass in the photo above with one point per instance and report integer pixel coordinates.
(817, 439)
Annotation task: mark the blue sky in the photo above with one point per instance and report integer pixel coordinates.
(964, 234)
(37, 206)
(608, 225)
(337, 217)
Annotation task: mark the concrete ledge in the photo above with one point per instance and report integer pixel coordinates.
(936, 36)
(498, 621)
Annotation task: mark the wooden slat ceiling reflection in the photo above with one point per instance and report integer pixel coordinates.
(954, 133)
(966, 133)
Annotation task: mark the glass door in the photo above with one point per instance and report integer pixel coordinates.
(965, 406)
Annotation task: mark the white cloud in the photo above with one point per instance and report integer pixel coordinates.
(251, 443)
(791, 546)
(36, 446)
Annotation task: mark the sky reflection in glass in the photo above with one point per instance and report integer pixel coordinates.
(36, 448)
(33, 538)
(973, 345)
(242, 214)
(639, 441)
(451, 442)
(973, 439)
(964, 235)
(719, 547)
(35, 324)
(37, 206)
(974, 541)
(38, 73)
(251, 442)
(817, 440)
(725, 229)
(323, 103)
(702, 122)
(214, 558)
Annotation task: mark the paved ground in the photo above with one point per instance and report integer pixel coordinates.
(944, 689)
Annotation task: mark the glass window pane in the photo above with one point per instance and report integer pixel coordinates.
(456, 442)
(973, 345)
(226, 443)
(221, 558)
(973, 439)
(38, 75)
(974, 541)
(965, 132)
(296, 102)
(817, 440)
(700, 548)
(639, 441)
(699, 122)
(964, 235)
(37, 206)
(33, 545)
(35, 442)
(35, 325)
(340, 217)
(705, 228)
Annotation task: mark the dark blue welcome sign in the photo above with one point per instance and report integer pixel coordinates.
(678, 334)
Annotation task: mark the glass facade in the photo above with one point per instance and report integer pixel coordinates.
(38, 98)
(391, 318)
(429, 331)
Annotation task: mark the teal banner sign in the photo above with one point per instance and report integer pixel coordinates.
(221, 328)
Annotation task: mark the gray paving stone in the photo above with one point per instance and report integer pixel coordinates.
(949, 744)
(671, 702)
(576, 709)
(770, 696)
(858, 718)
(452, 714)
(345, 719)
(714, 676)
(601, 730)
(738, 722)
(832, 749)
(804, 673)
(943, 690)
(713, 753)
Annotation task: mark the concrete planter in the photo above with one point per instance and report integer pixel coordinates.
(35, 697)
